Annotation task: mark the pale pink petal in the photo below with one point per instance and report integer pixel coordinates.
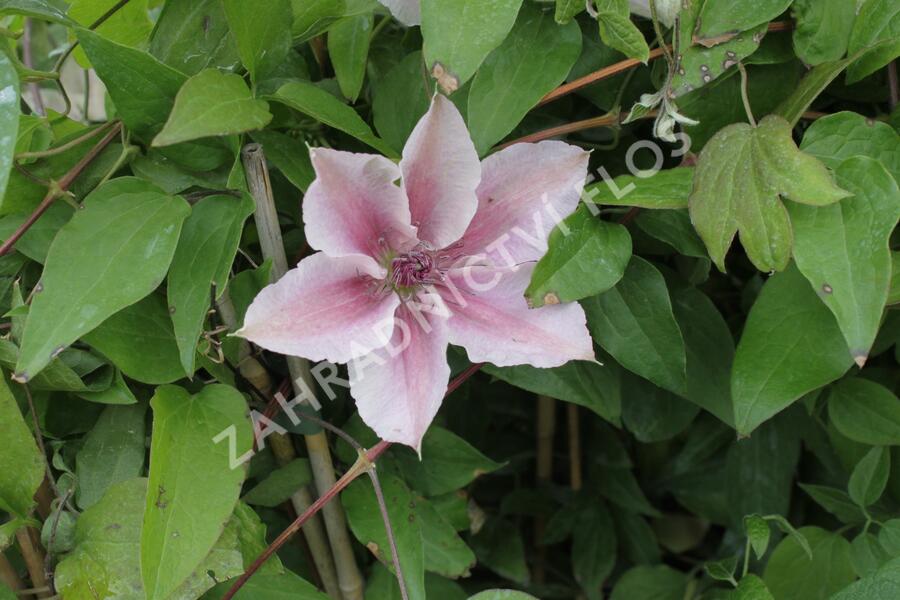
(492, 321)
(325, 309)
(353, 203)
(440, 173)
(399, 388)
(525, 190)
(406, 11)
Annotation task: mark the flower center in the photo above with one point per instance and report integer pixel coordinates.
(412, 269)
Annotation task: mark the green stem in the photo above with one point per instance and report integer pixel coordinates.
(744, 94)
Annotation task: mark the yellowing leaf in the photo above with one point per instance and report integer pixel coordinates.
(740, 175)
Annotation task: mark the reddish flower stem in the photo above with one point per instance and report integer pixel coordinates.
(59, 189)
(361, 466)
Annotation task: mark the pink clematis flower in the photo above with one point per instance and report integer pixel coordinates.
(407, 12)
(442, 258)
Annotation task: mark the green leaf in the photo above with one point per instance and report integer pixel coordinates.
(566, 10)
(877, 29)
(285, 586)
(650, 583)
(889, 536)
(146, 325)
(499, 547)
(651, 413)
(289, 154)
(866, 554)
(365, 521)
(348, 48)
(9, 118)
(869, 478)
(813, 83)
(634, 323)
(722, 570)
(90, 272)
(262, 32)
(851, 277)
(673, 226)
(586, 256)
(593, 547)
(835, 501)
(865, 411)
(129, 25)
(722, 17)
(591, 385)
(883, 584)
(212, 103)
(280, 484)
(837, 137)
(192, 487)
(501, 595)
(760, 471)
(209, 241)
(669, 188)
(619, 32)
(619, 486)
(787, 324)
(750, 587)
(113, 451)
(142, 88)
(791, 574)
(37, 239)
(534, 58)
(312, 17)
(22, 466)
(47, 10)
(447, 463)
(759, 533)
(740, 175)
(192, 35)
(459, 34)
(445, 552)
(322, 106)
(709, 352)
(822, 29)
(393, 120)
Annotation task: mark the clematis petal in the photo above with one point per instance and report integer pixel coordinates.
(353, 203)
(323, 310)
(399, 388)
(525, 190)
(440, 173)
(492, 321)
(405, 11)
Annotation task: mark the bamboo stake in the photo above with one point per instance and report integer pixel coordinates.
(8, 574)
(546, 427)
(33, 555)
(349, 578)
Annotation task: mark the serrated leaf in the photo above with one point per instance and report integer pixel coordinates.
(459, 34)
(348, 48)
(319, 104)
(720, 17)
(839, 136)
(22, 466)
(262, 33)
(787, 324)
(212, 103)
(634, 323)
(759, 533)
(91, 265)
(113, 451)
(791, 574)
(534, 58)
(740, 175)
(142, 88)
(869, 477)
(876, 31)
(865, 411)
(586, 256)
(669, 188)
(851, 277)
(209, 241)
(618, 31)
(192, 488)
(364, 518)
(822, 29)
